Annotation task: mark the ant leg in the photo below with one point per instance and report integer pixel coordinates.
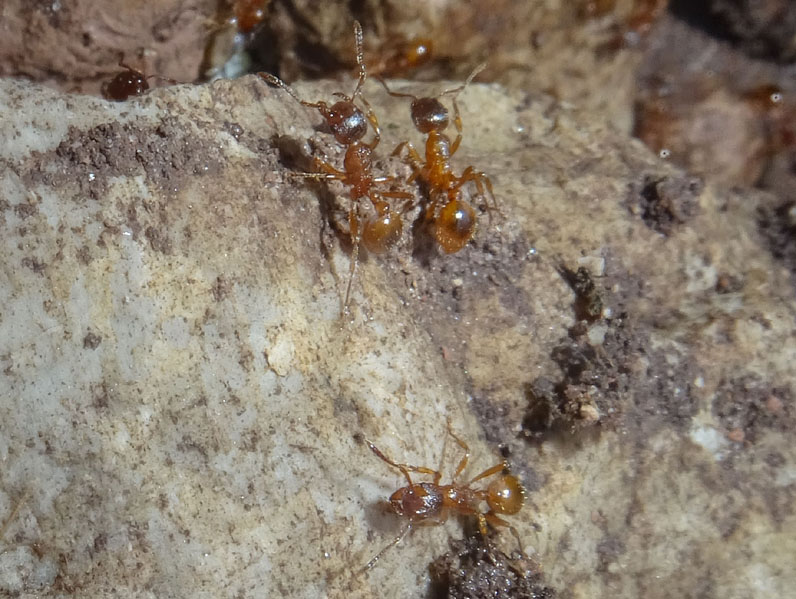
(412, 153)
(384, 179)
(489, 472)
(483, 184)
(327, 169)
(356, 235)
(393, 543)
(482, 526)
(495, 521)
(405, 468)
(463, 462)
(397, 194)
(415, 161)
(374, 122)
(457, 122)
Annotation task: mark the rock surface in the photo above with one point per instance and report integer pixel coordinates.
(182, 405)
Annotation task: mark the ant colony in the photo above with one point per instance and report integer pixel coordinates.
(375, 213)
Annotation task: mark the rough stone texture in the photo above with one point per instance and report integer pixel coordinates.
(182, 404)
(710, 107)
(76, 44)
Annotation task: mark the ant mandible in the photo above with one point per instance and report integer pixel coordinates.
(349, 124)
(430, 503)
(453, 224)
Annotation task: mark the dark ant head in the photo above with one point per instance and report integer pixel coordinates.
(429, 114)
(125, 84)
(347, 122)
(416, 501)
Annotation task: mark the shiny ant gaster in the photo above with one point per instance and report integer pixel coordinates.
(349, 124)
(429, 503)
(452, 219)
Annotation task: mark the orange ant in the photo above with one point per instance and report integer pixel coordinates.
(129, 82)
(405, 56)
(349, 124)
(453, 224)
(430, 503)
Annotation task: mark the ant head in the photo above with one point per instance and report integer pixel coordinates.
(505, 494)
(429, 114)
(416, 501)
(347, 122)
(124, 85)
(454, 226)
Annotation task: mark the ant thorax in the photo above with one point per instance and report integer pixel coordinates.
(438, 154)
(418, 502)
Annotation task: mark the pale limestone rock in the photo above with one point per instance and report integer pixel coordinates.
(181, 400)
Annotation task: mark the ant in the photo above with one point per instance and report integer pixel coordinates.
(404, 56)
(349, 124)
(129, 82)
(453, 220)
(429, 503)
(248, 14)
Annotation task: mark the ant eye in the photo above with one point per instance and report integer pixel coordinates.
(455, 226)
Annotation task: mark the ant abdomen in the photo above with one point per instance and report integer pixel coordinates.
(454, 226)
(383, 230)
(505, 495)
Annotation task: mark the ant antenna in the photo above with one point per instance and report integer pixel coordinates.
(274, 80)
(392, 544)
(381, 80)
(360, 59)
(460, 88)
